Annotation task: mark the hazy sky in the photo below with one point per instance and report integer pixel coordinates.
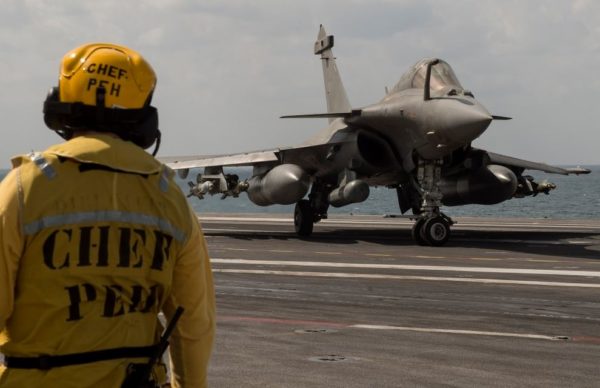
(228, 69)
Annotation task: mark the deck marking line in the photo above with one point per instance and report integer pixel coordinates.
(431, 257)
(213, 230)
(520, 271)
(451, 331)
(294, 322)
(400, 277)
(398, 222)
(586, 339)
(543, 261)
(249, 219)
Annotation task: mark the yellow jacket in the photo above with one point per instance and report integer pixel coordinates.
(95, 240)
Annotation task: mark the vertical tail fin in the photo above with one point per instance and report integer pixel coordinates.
(337, 99)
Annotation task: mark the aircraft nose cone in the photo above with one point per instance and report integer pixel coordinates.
(466, 122)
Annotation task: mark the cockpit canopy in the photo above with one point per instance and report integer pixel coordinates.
(442, 77)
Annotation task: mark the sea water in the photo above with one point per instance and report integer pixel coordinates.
(575, 197)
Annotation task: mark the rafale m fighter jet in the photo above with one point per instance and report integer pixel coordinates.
(416, 140)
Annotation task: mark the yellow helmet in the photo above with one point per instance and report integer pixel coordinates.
(104, 87)
(125, 75)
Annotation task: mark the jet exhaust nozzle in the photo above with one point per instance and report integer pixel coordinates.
(282, 185)
(352, 192)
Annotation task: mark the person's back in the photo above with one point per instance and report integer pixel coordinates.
(96, 239)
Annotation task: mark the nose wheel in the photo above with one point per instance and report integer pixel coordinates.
(433, 231)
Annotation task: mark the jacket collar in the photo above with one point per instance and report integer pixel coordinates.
(108, 151)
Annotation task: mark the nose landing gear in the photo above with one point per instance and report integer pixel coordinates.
(432, 227)
(434, 231)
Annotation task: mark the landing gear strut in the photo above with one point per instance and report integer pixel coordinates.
(432, 227)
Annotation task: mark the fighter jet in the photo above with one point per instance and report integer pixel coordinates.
(416, 140)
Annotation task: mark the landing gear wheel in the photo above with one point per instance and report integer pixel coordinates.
(436, 231)
(303, 218)
(417, 232)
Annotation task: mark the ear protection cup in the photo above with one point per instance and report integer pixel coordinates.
(145, 132)
(50, 117)
(56, 115)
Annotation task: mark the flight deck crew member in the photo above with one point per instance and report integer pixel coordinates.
(96, 239)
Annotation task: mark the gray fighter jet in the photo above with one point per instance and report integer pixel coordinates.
(416, 140)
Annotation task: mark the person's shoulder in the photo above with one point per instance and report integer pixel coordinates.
(35, 162)
(169, 185)
(109, 151)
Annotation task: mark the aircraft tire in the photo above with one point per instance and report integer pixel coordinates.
(303, 218)
(436, 231)
(417, 232)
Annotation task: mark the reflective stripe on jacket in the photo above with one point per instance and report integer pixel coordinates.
(96, 238)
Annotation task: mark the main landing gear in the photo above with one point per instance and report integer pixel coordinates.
(303, 218)
(312, 210)
(432, 226)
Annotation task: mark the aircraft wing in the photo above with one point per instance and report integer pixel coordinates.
(242, 159)
(312, 158)
(509, 161)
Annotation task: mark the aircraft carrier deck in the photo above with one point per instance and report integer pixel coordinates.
(507, 302)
